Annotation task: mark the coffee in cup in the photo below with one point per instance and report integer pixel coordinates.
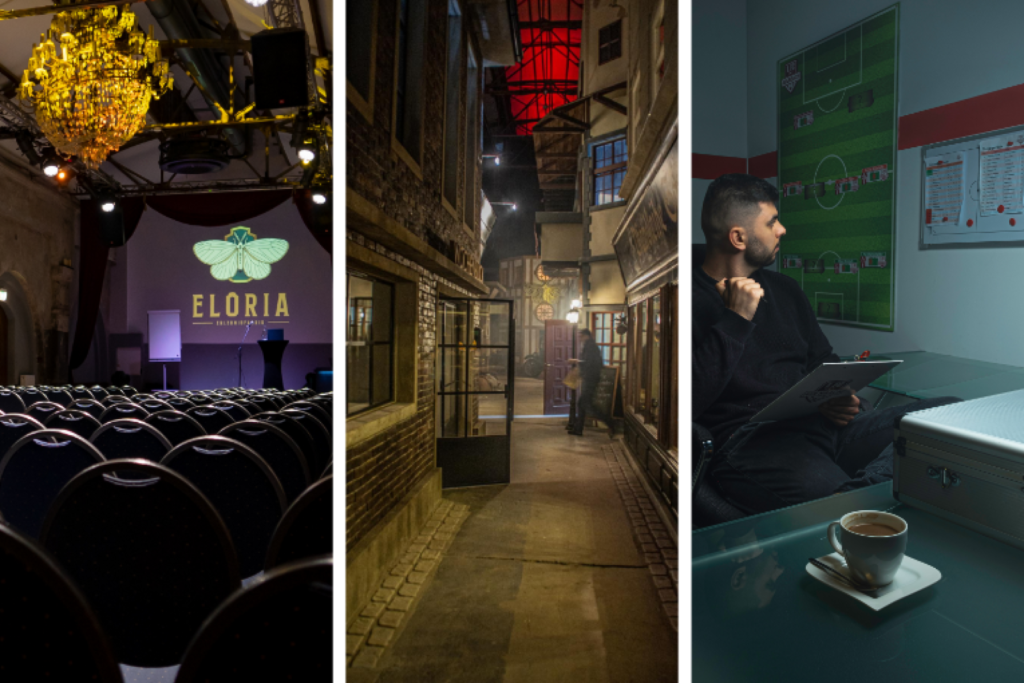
(872, 543)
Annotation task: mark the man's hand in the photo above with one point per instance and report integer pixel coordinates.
(841, 410)
(740, 294)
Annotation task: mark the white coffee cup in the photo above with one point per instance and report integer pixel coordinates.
(873, 559)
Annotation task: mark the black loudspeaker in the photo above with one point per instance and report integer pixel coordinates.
(279, 68)
(111, 226)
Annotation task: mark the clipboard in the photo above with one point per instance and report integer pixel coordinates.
(825, 382)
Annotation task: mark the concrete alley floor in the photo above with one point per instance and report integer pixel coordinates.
(543, 582)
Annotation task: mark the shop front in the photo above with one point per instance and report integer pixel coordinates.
(646, 244)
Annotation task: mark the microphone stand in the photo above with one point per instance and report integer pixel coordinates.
(240, 346)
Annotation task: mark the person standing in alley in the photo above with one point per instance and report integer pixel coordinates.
(590, 363)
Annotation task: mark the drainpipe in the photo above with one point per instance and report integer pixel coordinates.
(179, 22)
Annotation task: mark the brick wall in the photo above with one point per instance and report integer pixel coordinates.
(382, 470)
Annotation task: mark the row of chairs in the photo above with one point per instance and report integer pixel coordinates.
(278, 628)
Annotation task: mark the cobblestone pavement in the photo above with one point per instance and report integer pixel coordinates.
(565, 575)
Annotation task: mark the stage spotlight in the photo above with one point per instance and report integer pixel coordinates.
(108, 206)
(319, 198)
(306, 153)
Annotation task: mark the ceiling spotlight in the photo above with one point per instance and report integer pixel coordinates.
(319, 198)
(108, 205)
(3, 295)
(306, 153)
(573, 317)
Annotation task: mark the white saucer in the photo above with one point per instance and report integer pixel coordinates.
(911, 577)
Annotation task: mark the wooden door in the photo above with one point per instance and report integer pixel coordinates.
(3, 349)
(558, 345)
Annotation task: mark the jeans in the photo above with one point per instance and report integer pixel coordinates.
(768, 466)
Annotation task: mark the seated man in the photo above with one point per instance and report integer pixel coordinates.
(754, 336)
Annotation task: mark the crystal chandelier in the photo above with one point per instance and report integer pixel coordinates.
(90, 81)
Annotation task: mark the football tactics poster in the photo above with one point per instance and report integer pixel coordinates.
(837, 166)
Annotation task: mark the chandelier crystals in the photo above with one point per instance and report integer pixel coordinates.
(90, 81)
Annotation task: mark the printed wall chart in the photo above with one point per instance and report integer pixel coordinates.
(837, 166)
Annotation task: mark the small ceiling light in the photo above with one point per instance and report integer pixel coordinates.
(51, 164)
(514, 207)
(576, 303)
(3, 295)
(573, 317)
(257, 3)
(497, 161)
(319, 198)
(108, 206)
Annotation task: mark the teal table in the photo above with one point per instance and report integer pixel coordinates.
(923, 374)
(758, 615)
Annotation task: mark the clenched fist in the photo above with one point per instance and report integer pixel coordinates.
(741, 294)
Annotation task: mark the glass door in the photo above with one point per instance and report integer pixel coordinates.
(474, 391)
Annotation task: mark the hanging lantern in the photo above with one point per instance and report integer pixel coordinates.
(90, 81)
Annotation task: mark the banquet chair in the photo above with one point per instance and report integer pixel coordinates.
(315, 458)
(33, 472)
(60, 396)
(130, 438)
(10, 402)
(175, 425)
(306, 528)
(242, 488)
(316, 411)
(48, 630)
(210, 418)
(232, 408)
(88, 405)
(75, 421)
(13, 426)
(42, 410)
(278, 449)
(286, 617)
(149, 553)
(120, 411)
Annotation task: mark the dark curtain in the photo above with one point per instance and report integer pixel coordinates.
(212, 210)
(319, 224)
(92, 269)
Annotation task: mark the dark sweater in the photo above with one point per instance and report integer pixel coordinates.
(740, 366)
(591, 364)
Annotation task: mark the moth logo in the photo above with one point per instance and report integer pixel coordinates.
(240, 257)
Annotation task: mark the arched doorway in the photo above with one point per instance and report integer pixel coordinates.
(3, 348)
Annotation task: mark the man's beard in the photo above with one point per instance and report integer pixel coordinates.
(760, 255)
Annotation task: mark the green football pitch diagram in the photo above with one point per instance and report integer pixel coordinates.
(837, 165)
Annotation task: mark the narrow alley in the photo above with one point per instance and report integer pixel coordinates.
(566, 574)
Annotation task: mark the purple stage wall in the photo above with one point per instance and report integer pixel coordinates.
(164, 273)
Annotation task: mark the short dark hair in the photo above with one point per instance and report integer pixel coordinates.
(733, 199)
(586, 332)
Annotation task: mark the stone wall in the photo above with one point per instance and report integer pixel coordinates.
(37, 245)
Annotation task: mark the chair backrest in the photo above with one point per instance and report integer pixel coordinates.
(232, 408)
(315, 458)
(286, 617)
(31, 395)
(75, 421)
(48, 631)
(260, 403)
(175, 425)
(316, 411)
(10, 402)
(152, 575)
(306, 528)
(321, 437)
(113, 398)
(324, 401)
(213, 420)
(120, 411)
(42, 410)
(327, 472)
(153, 405)
(88, 405)
(200, 399)
(13, 426)
(129, 390)
(61, 397)
(278, 449)
(241, 486)
(130, 438)
(81, 392)
(98, 392)
(35, 469)
(180, 403)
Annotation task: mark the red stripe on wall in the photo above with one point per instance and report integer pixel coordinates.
(764, 165)
(709, 166)
(991, 111)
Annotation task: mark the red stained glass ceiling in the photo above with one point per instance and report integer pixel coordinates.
(548, 75)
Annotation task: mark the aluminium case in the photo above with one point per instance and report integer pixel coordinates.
(965, 462)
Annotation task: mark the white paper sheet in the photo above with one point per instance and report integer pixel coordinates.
(1001, 174)
(944, 188)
